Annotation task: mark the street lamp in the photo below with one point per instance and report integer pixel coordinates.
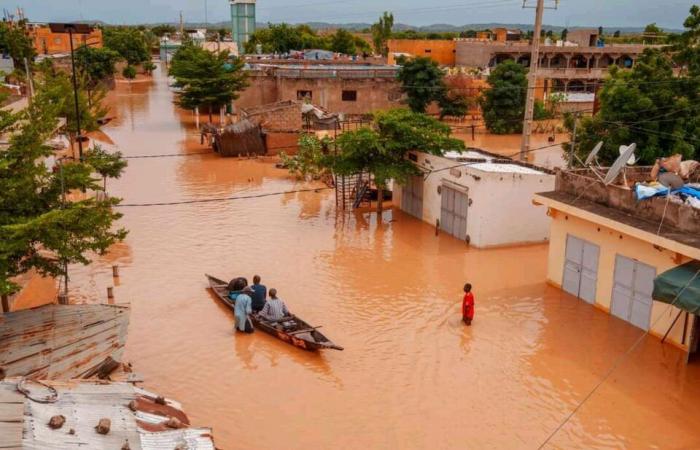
(73, 28)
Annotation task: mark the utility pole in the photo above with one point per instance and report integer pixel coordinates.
(182, 27)
(532, 80)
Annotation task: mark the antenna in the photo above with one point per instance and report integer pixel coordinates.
(619, 164)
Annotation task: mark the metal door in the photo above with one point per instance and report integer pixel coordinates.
(453, 212)
(581, 268)
(632, 289)
(412, 197)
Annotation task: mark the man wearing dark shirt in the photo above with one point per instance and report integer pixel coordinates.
(259, 294)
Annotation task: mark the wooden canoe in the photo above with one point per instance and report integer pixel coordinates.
(302, 335)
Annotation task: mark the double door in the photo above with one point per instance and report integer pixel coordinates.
(581, 268)
(632, 291)
(453, 211)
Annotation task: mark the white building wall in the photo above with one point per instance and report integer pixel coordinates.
(501, 210)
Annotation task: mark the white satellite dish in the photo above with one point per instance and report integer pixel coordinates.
(633, 159)
(619, 164)
(594, 154)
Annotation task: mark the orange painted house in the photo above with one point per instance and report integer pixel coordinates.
(441, 51)
(48, 43)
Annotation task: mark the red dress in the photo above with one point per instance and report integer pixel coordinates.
(468, 306)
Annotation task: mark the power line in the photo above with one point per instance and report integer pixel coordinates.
(220, 199)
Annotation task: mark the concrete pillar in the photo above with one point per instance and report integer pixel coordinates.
(588, 61)
(568, 60)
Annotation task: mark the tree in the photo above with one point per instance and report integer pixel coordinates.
(96, 64)
(422, 81)
(130, 43)
(503, 104)
(647, 105)
(56, 88)
(381, 33)
(205, 78)
(686, 46)
(600, 32)
(343, 42)
(108, 165)
(382, 149)
(453, 105)
(16, 42)
(162, 30)
(38, 228)
(564, 34)
(129, 72)
(616, 34)
(308, 163)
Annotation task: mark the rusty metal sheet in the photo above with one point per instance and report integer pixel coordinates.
(83, 403)
(11, 417)
(61, 341)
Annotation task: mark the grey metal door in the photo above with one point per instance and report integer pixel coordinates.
(453, 212)
(412, 197)
(581, 268)
(632, 289)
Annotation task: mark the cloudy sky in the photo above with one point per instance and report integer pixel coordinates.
(608, 13)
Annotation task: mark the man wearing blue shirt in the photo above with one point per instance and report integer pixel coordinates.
(259, 294)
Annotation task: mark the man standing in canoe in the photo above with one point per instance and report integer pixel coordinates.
(243, 309)
(468, 305)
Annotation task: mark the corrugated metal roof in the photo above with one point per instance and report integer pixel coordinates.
(24, 418)
(61, 341)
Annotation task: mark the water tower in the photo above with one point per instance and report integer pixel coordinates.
(242, 22)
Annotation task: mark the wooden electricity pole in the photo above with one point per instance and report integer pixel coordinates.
(532, 80)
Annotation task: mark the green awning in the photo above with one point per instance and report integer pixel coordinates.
(682, 282)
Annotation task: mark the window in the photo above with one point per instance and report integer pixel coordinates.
(427, 50)
(301, 95)
(349, 96)
(57, 40)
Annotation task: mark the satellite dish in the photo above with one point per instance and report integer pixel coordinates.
(593, 154)
(633, 159)
(619, 164)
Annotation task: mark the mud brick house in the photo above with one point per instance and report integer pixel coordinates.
(634, 259)
(348, 89)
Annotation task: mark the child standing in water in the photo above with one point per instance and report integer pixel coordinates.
(468, 305)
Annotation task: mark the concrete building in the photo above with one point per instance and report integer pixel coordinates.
(242, 21)
(441, 51)
(607, 248)
(476, 196)
(46, 42)
(349, 89)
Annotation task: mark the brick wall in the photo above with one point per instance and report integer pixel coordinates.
(276, 116)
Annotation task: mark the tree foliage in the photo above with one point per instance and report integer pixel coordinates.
(422, 81)
(108, 165)
(96, 64)
(37, 229)
(56, 87)
(16, 42)
(686, 46)
(130, 43)
(503, 104)
(308, 163)
(647, 105)
(206, 78)
(162, 30)
(382, 149)
(343, 42)
(381, 33)
(284, 38)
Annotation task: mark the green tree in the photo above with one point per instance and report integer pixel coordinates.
(162, 30)
(129, 72)
(343, 42)
(503, 104)
(381, 33)
(38, 228)
(308, 163)
(382, 150)
(564, 34)
(422, 81)
(130, 43)
(15, 41)
(205, 78)
(647, 105)
(686, 46)
(96, 64)
(56, 88)
(108, 165)
(453, 105)
(616, 34)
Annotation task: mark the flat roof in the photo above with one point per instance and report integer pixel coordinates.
(687, 244)
(470, 154)
(505, 168)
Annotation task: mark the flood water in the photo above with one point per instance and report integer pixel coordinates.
(411, 375)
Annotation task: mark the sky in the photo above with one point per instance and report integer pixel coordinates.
(606, 13)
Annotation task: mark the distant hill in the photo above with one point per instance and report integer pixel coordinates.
(437, 28)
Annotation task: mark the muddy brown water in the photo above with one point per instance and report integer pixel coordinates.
(412, 376)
